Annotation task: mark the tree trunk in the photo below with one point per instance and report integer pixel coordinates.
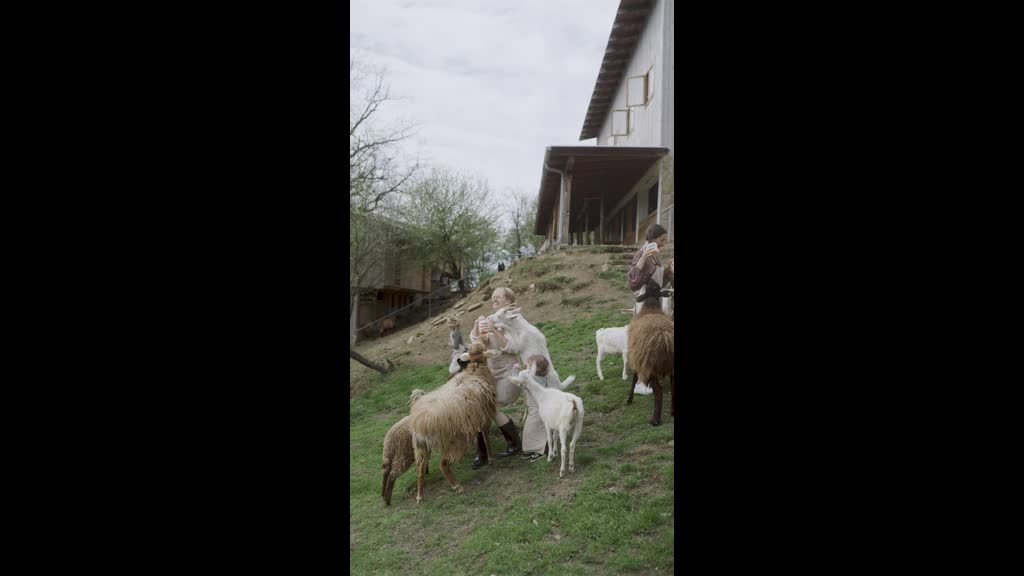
(462, 281)
(371, 364)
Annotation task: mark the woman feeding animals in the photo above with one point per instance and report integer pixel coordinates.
(646, 265)
(501, 368)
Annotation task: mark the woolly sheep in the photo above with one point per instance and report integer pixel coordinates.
(398, 455)
(446, 419)
(651, 348)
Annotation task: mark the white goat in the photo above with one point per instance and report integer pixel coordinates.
(528, 340)
(613, 341)
(559, 411)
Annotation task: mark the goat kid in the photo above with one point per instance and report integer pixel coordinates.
(561, 412)
(613, 341)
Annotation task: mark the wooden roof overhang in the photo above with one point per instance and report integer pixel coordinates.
(605, 172)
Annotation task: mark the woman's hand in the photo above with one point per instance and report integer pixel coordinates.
(648, 252)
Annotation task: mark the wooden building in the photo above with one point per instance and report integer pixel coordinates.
(394, 283)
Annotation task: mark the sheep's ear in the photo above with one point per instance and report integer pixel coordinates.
(464, 357)
(492, 353)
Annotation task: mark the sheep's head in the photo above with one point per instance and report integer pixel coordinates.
(477, 353)
(416, 394)
(650, 297)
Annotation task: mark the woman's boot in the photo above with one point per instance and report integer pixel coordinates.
(515, 445)
(481, 451)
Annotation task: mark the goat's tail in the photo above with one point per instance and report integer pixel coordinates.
(567, 414)
(565, 383)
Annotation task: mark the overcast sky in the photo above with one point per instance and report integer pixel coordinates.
(490, 83)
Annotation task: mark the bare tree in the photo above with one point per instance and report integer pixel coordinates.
(373, 169)
(374, 176)
(522, 209)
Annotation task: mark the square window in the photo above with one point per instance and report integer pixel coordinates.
(620, 122)
(636, 91)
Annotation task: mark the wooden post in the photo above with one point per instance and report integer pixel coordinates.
(657, 217)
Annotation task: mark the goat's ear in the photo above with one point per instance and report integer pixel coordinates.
(491, 353)
(464, 357)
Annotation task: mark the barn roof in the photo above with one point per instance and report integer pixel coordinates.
(626, 30)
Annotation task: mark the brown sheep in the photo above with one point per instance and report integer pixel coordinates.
(398, 455)
(448, 418)
(651, 347)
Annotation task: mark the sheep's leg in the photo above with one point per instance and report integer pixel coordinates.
(625, 362)
(562, 431)
(629, 399)
(551, 442)
(447, 471)
(421, 469)
(481, 448)
(384, 481)
(600, 355)
(390, 488)
(672, 392)
(656, 417)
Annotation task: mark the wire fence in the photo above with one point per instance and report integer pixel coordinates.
(414, 303)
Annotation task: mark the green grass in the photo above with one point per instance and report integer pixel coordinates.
(574, 300)
(612, 516)
(549, 285)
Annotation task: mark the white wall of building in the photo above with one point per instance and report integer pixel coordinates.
(645, 122)
(669, 74)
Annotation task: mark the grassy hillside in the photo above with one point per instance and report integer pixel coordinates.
(614, 515)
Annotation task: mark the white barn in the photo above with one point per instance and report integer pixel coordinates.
(610, 193)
